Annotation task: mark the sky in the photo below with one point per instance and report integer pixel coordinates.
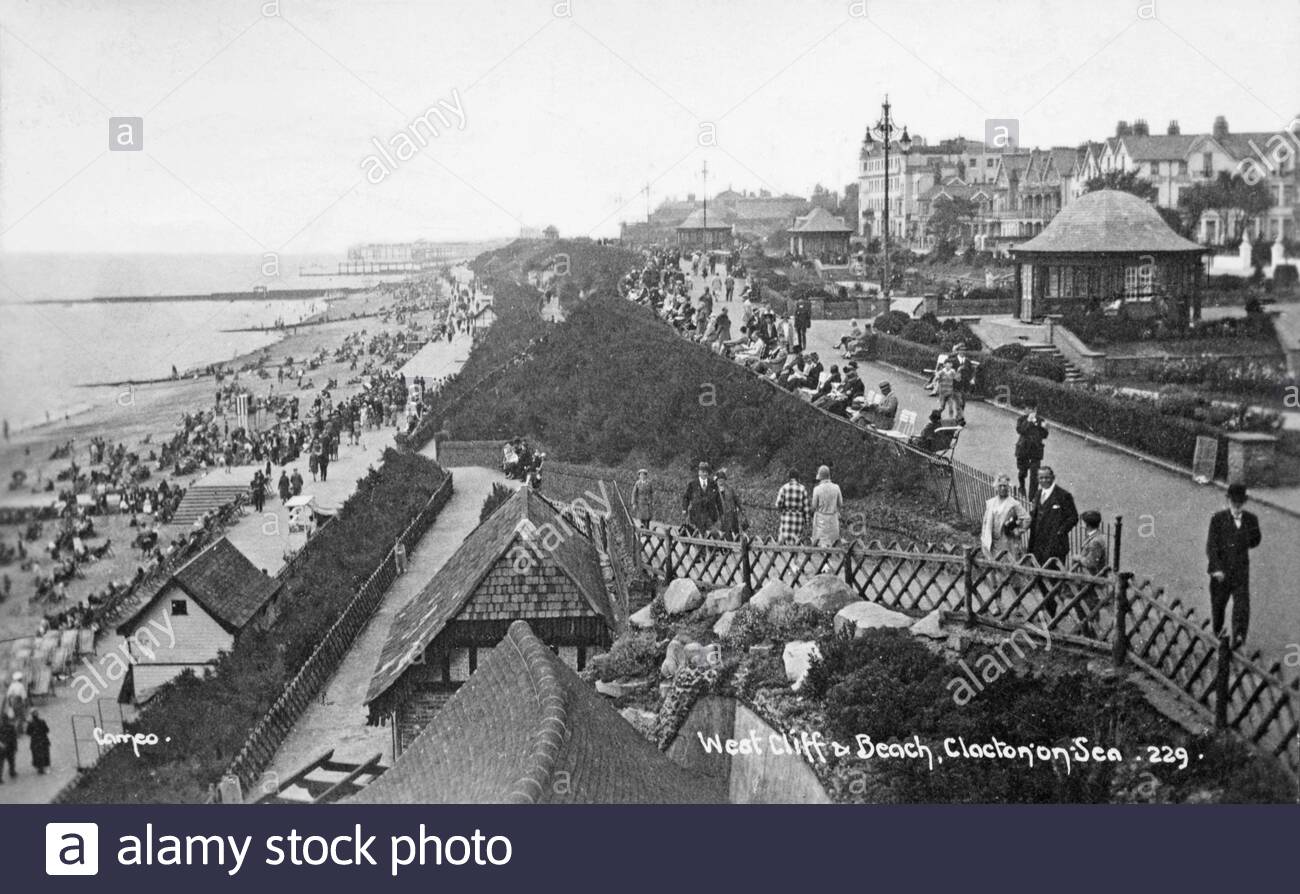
(260, 120)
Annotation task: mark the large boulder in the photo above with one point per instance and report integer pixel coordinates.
(728, 599)
(931, 625)
(797, 657)
(826, 592)
(774, 592)
(861, 616)
(723, 627)
(675, 659)
(682, 596)
(642, 617)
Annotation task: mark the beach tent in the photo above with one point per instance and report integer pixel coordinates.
(300, 512)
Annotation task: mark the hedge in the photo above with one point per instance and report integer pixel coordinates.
(1133, 422)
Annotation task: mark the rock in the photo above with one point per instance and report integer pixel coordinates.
(774, 592)
(725, 600)
(723, 627)
(797, 656)
(931, 625)
(613, 690)
(642, 618)
(682, 596)
(694, 656)
(861, 616)
(826, 592)
(643, 721)
(675, 660)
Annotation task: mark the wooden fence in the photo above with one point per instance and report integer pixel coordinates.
(267, 735)
(1133, 623)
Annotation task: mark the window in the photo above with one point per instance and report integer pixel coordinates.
(180, 607)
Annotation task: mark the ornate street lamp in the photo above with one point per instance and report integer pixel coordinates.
(884, 131)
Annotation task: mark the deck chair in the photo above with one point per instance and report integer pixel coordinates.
(85, 641)
(945, 445)
(904, 427)
(40, 687)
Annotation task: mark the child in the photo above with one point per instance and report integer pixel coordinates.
(643, 497)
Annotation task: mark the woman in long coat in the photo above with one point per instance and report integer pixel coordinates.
(731, 516)
(39, 730)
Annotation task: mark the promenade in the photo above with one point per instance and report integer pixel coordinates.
(1166, 514)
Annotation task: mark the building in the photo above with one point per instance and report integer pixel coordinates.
(707, 234)
(194, 617)
(525, 562)
(524, 729)
(820, 233)
(1176, 161)
(1108, 246)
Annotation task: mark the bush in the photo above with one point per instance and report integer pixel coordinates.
(500, 493)
(891, 322)
(1044, 366)
(1012, 352)
(920, 332)
(634, 654)
(1285, 276)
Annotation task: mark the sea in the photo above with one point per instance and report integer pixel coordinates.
(56, 340)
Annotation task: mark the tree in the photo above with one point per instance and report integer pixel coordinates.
(849, 205)
(950, 217)
(824, 198)
(1226, 194)
(1124, 181)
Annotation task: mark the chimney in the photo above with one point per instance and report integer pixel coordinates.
(1122, 129)
(1140, 128)
(690, 197)
(1220, 127)
(1173, 130)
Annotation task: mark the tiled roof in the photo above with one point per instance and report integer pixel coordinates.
(1162, 147)
(819, 220)
(1108, 220)
(526, 730)
(1238, 145)
(223, 582)
(695, 221)
(425, 616)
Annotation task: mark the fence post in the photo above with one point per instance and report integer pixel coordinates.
(969, 575)
(1221, 684)
(1119, 650)
(746, 566)
(1119, 540)
(668, 559)
(848, 563)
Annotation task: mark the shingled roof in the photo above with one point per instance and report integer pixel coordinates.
(425, 616)
(224, 582)
(526, 730)
(819, 220)
(695, 221)
(1108, 220)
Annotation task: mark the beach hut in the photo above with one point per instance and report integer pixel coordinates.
(300, 512)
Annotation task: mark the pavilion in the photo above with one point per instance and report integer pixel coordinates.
(709, 235)
(819, 233)
(1105, 246)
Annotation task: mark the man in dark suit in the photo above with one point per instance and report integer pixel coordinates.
(802, 320)
(700, 505)
(1051, 519)
(1233, 534)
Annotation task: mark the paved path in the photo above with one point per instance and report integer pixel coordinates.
(337, 718)
(263, 538)
(1165, 513)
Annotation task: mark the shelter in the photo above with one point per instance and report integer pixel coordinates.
(525, 729)
(198, 614)
(819, 233)
(525, 562)
(1109, 246)
(697, 232)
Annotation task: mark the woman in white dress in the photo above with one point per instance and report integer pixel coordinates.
(826, 504)
(1005, 521)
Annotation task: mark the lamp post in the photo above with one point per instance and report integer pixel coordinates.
(884, 131)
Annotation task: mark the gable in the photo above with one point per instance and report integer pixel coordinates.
(543, 591)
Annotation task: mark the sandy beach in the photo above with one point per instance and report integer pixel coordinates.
(140, 417)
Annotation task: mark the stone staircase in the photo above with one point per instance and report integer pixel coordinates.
(1072, 373)
(204, 498)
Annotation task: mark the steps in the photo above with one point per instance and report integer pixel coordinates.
(201, 499)
(1072, 373)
